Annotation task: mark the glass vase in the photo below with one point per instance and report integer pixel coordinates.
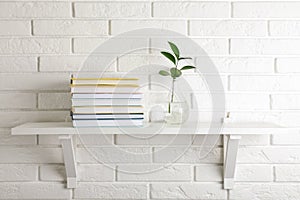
(177, 113)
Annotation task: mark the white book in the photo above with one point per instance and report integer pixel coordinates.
(108, 116)
(103, 81)
(104, 89)
(106, 102)
(107, 109)
(107, 95)
(107, 123)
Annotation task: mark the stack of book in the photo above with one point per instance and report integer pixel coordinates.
(106, 102)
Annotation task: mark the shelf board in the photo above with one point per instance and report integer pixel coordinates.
(66, 128)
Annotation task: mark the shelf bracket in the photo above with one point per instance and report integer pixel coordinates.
(69, 160)
(231, 145)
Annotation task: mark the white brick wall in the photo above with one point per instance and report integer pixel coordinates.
(191, 9)
(25, 190)
(32, 45)
(35, 10)
(18, 64)
(15, 28)
(13, 172)
(287, 65)
(113, 10)
(228, 28)
(187, 191)
(111, 191)
(265, 9)
(70, 27)
(255, 45)
(120, 26)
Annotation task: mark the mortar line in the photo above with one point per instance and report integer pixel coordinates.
(275, 65)
(188, 27)
(274, 174)
(72, 46)
(31, 28)
(37, 100)
(109, 28)
(268, 28)
(39, 173)
(73, 9)
(231, 9)
(151, 10)
(228, 194)
(229, 46)
(271, 102)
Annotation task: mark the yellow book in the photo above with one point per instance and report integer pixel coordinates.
(114, 79)
(104, 85)
(110, 81)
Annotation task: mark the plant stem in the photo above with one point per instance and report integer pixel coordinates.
(172, 95)
(172, 92)
(173, 85)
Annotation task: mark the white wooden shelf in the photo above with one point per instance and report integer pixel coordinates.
(66, 128)
(232, 134)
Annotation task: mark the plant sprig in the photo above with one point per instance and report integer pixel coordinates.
(174, 72)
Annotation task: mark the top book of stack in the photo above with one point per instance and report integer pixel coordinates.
(104, 85)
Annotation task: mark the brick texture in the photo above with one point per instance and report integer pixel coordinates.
(251, 47)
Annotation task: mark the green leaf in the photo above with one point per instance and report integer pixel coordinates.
(164, 73)
(184, 58)
(169, 56)
(174, 49)
(175, 72)
(187, 67)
